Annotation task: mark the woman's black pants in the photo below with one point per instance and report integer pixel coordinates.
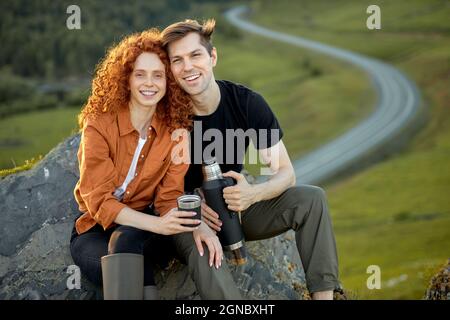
(88, 248)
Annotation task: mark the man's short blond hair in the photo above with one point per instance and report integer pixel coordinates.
(179, 30)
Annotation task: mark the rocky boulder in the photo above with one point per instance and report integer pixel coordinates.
(439, 287)
(36, 217)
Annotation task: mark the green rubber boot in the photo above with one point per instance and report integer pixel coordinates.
(123, 276)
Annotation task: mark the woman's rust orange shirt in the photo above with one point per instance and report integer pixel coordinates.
(106, 151)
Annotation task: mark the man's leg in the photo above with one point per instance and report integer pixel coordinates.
(303, 209)
(211, 283)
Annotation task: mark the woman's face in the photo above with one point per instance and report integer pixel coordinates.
(148, 80)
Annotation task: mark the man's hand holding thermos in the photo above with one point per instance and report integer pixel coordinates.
(217, 215)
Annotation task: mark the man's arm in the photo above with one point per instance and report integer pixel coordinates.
(242, 195)
(281, 170)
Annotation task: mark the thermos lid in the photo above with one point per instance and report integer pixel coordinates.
(211, 170)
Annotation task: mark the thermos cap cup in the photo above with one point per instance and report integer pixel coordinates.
(189, 201)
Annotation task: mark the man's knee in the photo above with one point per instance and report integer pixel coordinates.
(211, 282)
(194, 256)
(308, 200)
(188, 251)
(185, 245)
(307, 192)
(200, 263)
(125, 239)
(318, 193)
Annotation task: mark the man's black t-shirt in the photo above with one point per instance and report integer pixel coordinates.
(242, 115)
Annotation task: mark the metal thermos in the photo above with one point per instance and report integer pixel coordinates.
(230, 235)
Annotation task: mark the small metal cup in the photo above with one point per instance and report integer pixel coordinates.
(190, 202)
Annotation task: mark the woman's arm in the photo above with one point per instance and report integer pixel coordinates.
(170, 223)
(172, 185)
(98, 176)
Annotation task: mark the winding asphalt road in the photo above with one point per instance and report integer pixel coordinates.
(398, 102)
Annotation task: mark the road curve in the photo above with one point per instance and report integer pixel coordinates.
(398, 102)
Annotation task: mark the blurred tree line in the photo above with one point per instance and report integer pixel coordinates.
(44, 64)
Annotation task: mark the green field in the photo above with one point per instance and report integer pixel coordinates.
(396, 214)
(326, 97)
(29, 135)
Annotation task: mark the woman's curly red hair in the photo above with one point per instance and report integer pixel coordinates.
(110, 89)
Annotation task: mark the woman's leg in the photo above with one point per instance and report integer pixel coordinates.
(156, 249)
(87, 249)
(126, 239)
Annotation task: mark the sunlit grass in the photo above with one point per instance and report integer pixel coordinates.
(29, 135)
(396, 214)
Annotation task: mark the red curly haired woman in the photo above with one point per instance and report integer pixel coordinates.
(128, 182)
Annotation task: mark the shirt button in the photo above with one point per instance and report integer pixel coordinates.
(142, 155)
(128, 192)
(135, 174)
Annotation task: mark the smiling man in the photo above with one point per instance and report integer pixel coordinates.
(269, 208)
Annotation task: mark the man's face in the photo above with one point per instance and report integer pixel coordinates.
(191, 64)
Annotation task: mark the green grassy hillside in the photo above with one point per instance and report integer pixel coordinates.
(32, 134)
(396, 214)
(326, 97)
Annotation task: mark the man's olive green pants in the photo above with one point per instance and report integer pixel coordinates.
(303, 209)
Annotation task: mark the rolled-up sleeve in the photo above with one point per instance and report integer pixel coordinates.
(172, 185)
(97, 177)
